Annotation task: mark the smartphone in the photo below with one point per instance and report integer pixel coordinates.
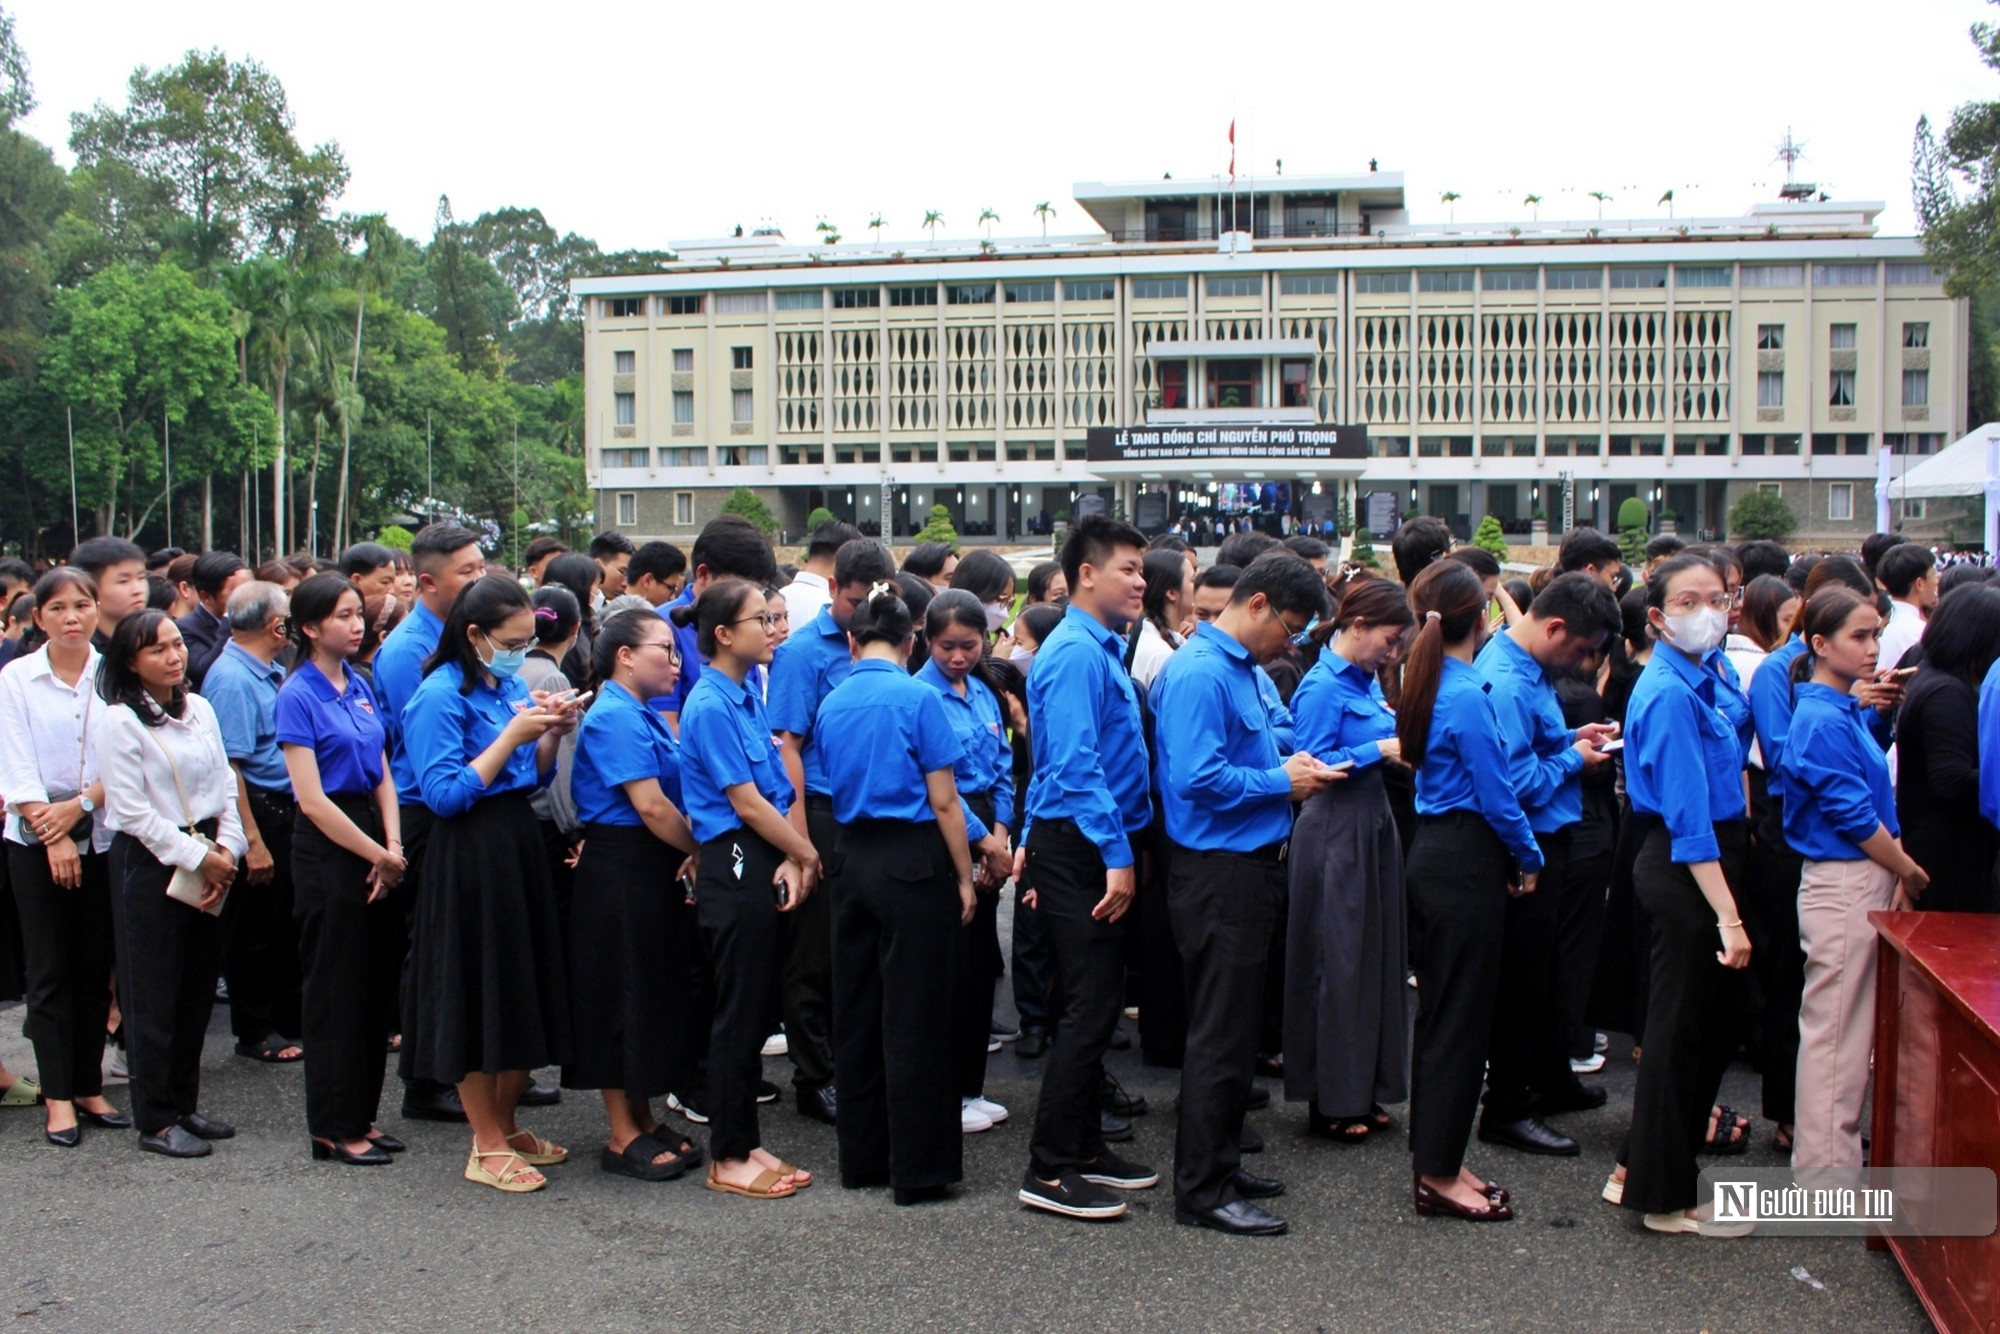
(1342, 767)
(782, 892)
(1904, 673)
(1612, 747)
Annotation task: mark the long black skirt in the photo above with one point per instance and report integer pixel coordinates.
(486, 972)
(631, 947)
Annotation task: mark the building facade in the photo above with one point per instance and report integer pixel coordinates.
(1168, 366)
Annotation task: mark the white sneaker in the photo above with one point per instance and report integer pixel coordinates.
(989, 1109)
(992, 1045)
(1598, 1042)
(970, 1119)
(1588, 1066)
(777, 1045)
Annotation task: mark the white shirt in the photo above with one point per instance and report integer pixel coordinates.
(1151, 654)
(1746, 658)
(48, 731)
(1901, 634)
(140, 798)
(805, 596)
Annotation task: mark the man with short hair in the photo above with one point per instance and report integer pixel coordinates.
(1909, 573)
(158, 562)
(371, 568)
(16, 577)
(1310, 550)
(261, 950)
(1213, 588)
(1242, 548)
(811, 587)
(729, 547)
(1660, 550)
(612, 552)
(1590, 552)
(1418, 543)
(1763, 557)
(118, 568)
(205, 628)
(539, 553)
(1873, 548)
(657, 572)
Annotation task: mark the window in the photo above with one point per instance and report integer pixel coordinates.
(1308, 284)
(1913, 509)
(1701, 275)
(1770, 338)
(1294, 380)
(1843, 275)
(800, 300)
(1380, 284)
(684, 305)
(1917, 335)
(1575, 280)
(1770, 389)
(1914, 275)
(623, 363)
(683, 407)
(856, 298)
(1840, 500)
(628, 508)
(1916, 389)
(1088, 289)
(1841, 394)
(1236, 284)
(1636, 276)
(1311, 215)
(624, 458)
(1508, 280)
(683, 360)
(1032, 291)
(1771, 488)
(914, 296)
(739, 358)
(625, 409)
(1840, 337)
(1772, 275)
(1445, 280)
(683, 509)
(970, 294)
(625, 307)
(741, 405)
(739, 303)
(1159, 289)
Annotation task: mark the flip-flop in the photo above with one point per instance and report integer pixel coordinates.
(270, 1050)
(785, 1169)
(23, 1092)
(765, 1187)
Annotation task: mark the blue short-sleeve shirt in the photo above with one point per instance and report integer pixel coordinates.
(725, 742)
(243, 689)
(342, 728)
(621, 741)
(880, 731)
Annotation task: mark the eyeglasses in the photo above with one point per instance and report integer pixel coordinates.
(1691, 602)
(764, 618)
(666, 644)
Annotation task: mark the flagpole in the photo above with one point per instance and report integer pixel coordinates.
(69, 419)
(167, 433)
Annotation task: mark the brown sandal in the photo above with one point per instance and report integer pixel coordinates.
(765, 1187)
(509, 1179)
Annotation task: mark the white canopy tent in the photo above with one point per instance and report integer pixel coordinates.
(1969, 466)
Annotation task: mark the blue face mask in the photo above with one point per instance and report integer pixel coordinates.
(505, 662)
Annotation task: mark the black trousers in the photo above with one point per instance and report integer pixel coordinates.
(351, 951)
(1033, 964)
(417, 821)
(167, 957)
(261, 939)
(1693, 1021)
(899, 957)
(973, 1017)
(1069, 876)
(1224, 908)
(1158, 984)
(66, 938)
(1530, 1055)
(1770, 904)
(1458, 918)
(807, 996)
(1579, 935)
(737, 907)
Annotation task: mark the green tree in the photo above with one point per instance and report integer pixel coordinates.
(751, 506)
(396, 537)
(1634, 523)
(1761, 514)
(1489, 537)
(465, 294)
(938, 529)
(17, 90)
(1363, 550)
(821, 514)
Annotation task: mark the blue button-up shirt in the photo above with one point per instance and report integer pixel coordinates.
(1084, 732)
(986, 762)
(446, 731)
(621, 741)
(1989, 745)
(1464, 767)
(1771, 703)
(1542, 761)
(342, 728)
(399, 670)
(1731, 699)
(1683, 753)
(880, 731)
(243, 689)
(726, 741)
(804, 672)
(1838, 786)
(1341, 716)
(687, 646)
(1223, 786)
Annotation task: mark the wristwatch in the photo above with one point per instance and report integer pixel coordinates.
(89, 806)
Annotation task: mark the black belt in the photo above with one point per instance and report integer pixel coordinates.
(1453, 817)
(1275, 853)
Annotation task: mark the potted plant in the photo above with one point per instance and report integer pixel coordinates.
(1668, 522)
(1538, 528)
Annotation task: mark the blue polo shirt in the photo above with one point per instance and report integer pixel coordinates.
(1989, 745)
(985, 763)
(1464, 766)
(1084, 731)
(342, 728)
(892, 731)
(804, 672)
(1223, 786)
(621, 741)
(243, 689)
(1838, 787)
(444, 732)
(726, 741)
(1542, 761)
(1340, 713)
(1683, 753)
(399, 670)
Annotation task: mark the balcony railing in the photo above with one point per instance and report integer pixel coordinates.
(1160, 230)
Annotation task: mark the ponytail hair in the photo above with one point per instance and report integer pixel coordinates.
(883, 618)
(1362, 599)
(1450, 602)
(1823, 615)
(620, 630)
(719, 604)
(557, 614)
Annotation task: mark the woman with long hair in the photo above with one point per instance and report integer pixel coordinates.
(581, 576)
(379, 615)
(1347, 998)
(1169, 606)
(1938, 760)
(558, 621)
(1473, 848)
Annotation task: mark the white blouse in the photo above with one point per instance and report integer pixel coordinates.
(48, 731)
(139, 794)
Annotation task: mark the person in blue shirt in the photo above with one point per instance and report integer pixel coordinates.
(1528, 1072)
(955, 634)
(1347, 998)
(261, 961)
(347, 857)
(1840, 816)
(900, 885)
(1989, 745)
(1226, 793)
(1088, 796)
(487, 973)
(755, 865)
(804, 671)
(631, 938)
(1473, 850)
(729, 546)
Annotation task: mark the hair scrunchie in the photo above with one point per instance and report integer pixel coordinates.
(1431, 617)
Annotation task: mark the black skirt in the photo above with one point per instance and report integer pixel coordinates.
(631, 949)
(487, 974)
(13, 957)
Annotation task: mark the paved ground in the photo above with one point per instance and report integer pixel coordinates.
(259, 1237)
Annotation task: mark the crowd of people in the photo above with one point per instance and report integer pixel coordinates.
(647, 817)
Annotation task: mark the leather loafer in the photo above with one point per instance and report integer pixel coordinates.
(1255, 1187)
(1240, 1217)
(64, 1139)
(1529, 1136)
(1032, 1045)
(1580, 1098)
(437, 1105)
(111, 1120)
(387, 1143)
(1114, 1128)
(540, 1095)
(176, 1142)
(820, 1104)
(203, 1127)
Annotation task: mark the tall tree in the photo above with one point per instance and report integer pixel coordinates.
(467, 296)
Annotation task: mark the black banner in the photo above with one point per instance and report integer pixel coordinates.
(1195, 444)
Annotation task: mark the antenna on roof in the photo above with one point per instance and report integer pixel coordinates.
(1791, 152)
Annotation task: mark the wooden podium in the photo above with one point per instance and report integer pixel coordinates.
(1937, 1090)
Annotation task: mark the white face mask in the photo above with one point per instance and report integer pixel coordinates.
(996, 615)
(1698, 631)
(1021, 657)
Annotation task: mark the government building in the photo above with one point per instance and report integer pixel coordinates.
(1266, 355)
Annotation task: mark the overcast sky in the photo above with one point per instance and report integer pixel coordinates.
(638, 125)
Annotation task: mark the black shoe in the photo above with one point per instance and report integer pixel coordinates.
(909, 1195)
(1529, 1136)
(1070, 1195)
(373, 1156)
(437, 1105)
(1120, 1039)
(1249, 1141)
(864, 1180)
(540, 1095)
(64, 1139)
(1032, 1045)
(1113, 1098)
(388, 1143)
(1256, 1187)
(689, 1105)
(767, 1092)
(1239, 1217)
(1271, 1067)
(1118, 1173)
(821, 1104)
(204, 1127)
(1581, 1097)
(1260, 1098)
(1113, 1128)
(111, 1120)
(175, 1142)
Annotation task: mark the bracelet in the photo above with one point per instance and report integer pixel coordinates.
(1724, 926)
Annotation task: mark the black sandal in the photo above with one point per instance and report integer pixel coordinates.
(1730, 1136)
(636, 1161)
(270, 1050)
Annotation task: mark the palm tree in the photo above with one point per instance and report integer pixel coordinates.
(1044, 212)
(987, 217)
(1534, 202)
(379, 243)
(1450, 199)
(1602, 199)
(932, 221)
(875, 225)
(829, 233)
(292, 319)
(1668, 200)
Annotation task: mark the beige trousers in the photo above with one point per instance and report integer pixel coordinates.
(1837, 1013)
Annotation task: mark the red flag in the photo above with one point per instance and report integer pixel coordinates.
(1232, 152)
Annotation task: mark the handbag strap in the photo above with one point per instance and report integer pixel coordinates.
(187, 811)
